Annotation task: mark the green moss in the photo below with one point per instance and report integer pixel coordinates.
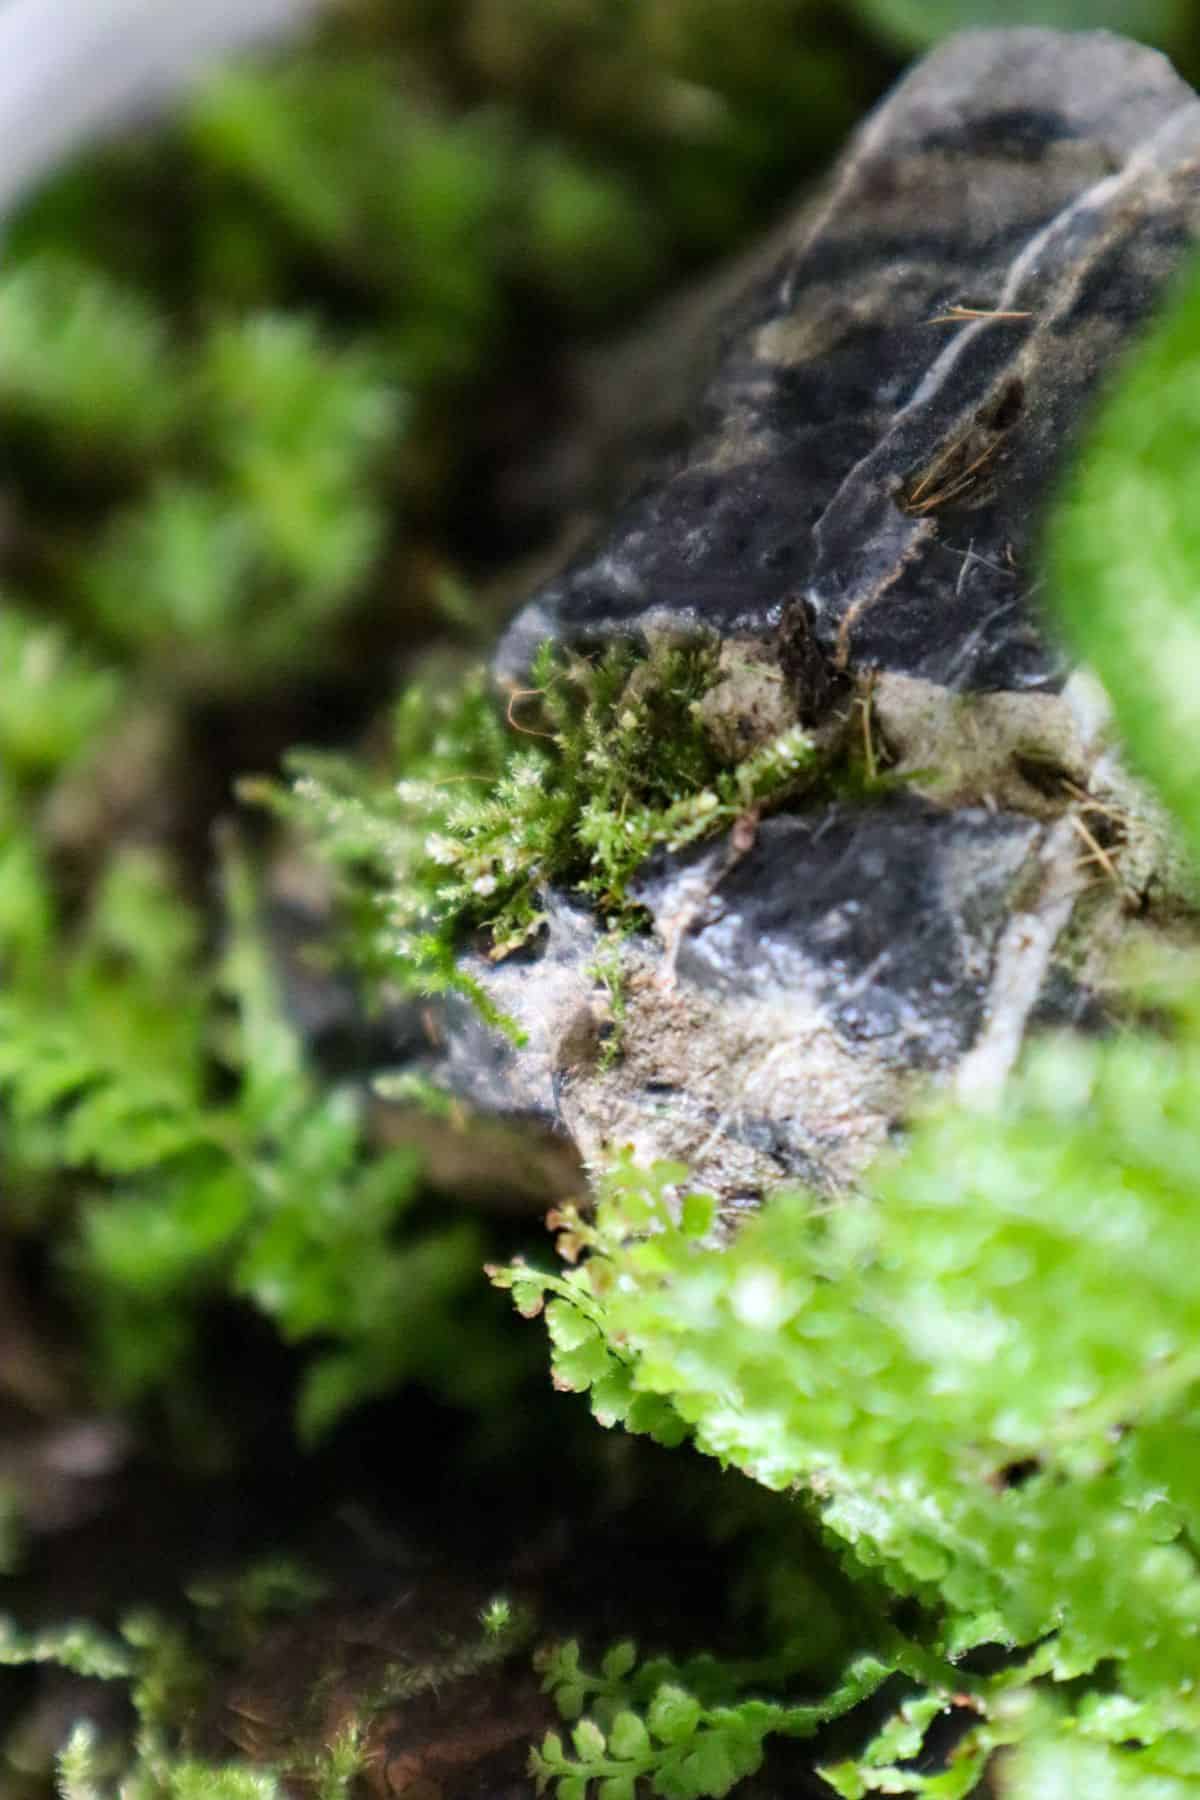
(608, 973)
(167, 1669)
(175, 1670)
(574, 785)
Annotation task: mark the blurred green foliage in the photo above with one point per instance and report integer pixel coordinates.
(54, 702)
(258, 451)
(917, 23)
(1125, 551)
(164, 1103)
(447, 191)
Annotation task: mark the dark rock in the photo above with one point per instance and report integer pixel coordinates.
(892, 924)
(862, 448)
(861, 495)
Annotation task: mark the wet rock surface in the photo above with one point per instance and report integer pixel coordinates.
(868, 472)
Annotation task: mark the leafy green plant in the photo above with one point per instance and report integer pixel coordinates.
(985, 1412)
(649, 1724)
(209, 1163)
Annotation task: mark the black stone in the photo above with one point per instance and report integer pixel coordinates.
(851, 451)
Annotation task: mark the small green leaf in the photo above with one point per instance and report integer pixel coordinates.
(588, 1740)
(613, 1397)
(698, 1214)
(570, 1700)
(844, 1779)
(569, 1329)
(628, 1737)
(651, 1414)
(529, 1296)
(617, 1787)
(619, 1660)
(576, 1370)
(709, 1770)
(674, 1714)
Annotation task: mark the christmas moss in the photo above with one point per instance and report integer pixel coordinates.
(573, 784)
(175, 1673)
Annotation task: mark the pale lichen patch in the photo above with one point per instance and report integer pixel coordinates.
(1012, 751)
(750, 702)
(711, 1080)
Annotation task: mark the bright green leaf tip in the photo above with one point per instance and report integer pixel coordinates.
(1124, 556)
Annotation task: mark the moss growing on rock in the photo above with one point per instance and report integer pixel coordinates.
(572, 785)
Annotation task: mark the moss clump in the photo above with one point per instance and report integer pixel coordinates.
(573, 785)
(361, 1692)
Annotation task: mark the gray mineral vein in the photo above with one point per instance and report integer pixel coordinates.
(869, 454)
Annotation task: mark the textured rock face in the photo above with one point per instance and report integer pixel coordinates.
(866, 447)
(872, 460)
